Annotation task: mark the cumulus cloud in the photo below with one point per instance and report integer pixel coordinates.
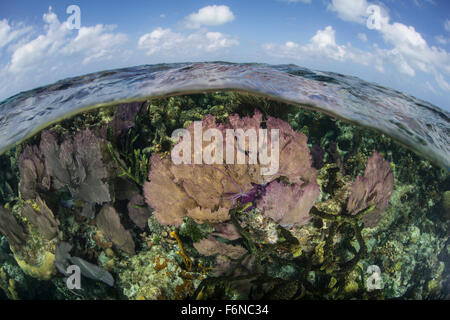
(96, 42)
(58, 51)
(90, 43)
(350, 10)
(170, 43)
(321, 45)
(209, 16)
(9, 33)
(410, 52)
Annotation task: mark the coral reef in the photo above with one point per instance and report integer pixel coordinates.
(100, 191)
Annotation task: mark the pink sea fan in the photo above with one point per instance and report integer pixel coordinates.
(206, 215)
(295, 159)
(374, 188)
(174, 190)
(289, 205)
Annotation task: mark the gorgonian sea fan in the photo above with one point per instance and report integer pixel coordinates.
(289, 205)
(373, 189)
(76, 164)
(33, 176)
(206, 192)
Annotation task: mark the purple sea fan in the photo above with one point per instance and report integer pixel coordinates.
(108, 221)
(295, 159)
(124, 118)
(33, 176)
(373, 189)
(289, 205)
(77, 165)
(138, 211)
(169, 200)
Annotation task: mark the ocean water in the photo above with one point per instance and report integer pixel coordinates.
(419, 125)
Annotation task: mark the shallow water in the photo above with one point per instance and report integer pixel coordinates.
(417, 124)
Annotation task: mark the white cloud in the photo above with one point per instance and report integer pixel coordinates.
(9, 33)
(362, 36)
(209, 16)
(447, 25)
(94, 43)
(441, 82)
(170, 43)
(409, 53)
(441, 39)
(350, 10)
(321, 45)
(90, 43)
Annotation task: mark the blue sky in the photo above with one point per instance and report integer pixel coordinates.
(405, 45)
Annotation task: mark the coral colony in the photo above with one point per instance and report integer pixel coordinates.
(217, 206)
